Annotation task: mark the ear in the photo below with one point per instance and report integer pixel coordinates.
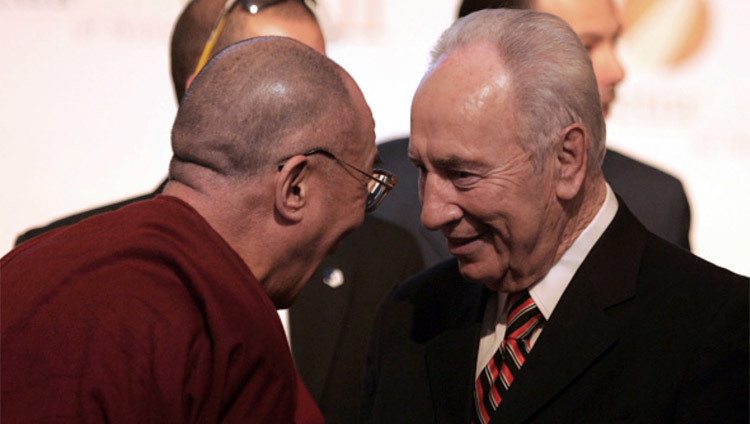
(571, 159)
(291, 193)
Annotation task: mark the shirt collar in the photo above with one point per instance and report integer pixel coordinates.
(548, 291)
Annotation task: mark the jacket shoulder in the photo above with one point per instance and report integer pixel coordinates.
(75, 218)
(620, 169)
(685, 271)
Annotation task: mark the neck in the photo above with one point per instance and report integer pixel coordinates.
(582, 211)
(244, 220)
(227, 213)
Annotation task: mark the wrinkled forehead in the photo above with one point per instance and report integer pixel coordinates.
(466, 87)
(462, 109)
(472, 70)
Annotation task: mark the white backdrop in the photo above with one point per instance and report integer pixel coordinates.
(87, 103)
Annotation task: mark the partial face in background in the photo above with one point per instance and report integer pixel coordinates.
(477, 184)
(303, 29)
(598, 25)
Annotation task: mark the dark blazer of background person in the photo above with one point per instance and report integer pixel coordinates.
(646, 332)
(329, 326)
(656, 198)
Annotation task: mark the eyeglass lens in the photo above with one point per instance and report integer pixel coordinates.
(377, 190)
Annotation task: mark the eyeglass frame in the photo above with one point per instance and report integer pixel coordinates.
(222, 20)
(375, 196)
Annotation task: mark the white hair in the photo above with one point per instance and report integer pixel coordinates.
(552, 80)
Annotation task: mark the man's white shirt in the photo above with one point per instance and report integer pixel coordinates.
(547, 291)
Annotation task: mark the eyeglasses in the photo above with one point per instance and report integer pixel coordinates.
(379, 184)
(252, 6)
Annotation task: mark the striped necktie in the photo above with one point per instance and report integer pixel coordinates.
(495, 379)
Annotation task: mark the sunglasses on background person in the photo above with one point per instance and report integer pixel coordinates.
(251, 6)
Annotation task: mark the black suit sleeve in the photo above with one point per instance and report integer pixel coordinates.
(715, 388)
(655, 197)
(72, 219)
(682, 220)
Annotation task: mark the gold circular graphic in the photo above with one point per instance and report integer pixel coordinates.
(665, 32)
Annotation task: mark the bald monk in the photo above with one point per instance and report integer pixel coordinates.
(165, 310)
(326, 325)
(288, 18)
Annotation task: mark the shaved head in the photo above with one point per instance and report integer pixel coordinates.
(256, 103)
(291, 18)
(193, 28)
(246, 141)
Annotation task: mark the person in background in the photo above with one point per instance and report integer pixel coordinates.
(559, 305)
(165, 310)
(327, 324)
(656, 198)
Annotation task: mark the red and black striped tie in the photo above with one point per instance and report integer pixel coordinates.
(497, 376)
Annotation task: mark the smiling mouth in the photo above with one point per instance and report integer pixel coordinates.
(461, 245)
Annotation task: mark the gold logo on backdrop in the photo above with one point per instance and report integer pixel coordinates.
(665, 32)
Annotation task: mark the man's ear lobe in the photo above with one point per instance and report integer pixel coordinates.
(572, 159)
(291, 188)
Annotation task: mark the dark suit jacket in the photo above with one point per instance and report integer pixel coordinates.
(329, 326)
(655, 197)
(72, 219)
(645, 332)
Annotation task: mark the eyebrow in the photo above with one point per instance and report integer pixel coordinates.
(590, 37)
(452, 162)
(455, 162)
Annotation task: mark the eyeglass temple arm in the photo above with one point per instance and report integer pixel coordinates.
(392, 184)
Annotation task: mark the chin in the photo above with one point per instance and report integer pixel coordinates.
(494, 276)
(482, 273)
(286, 301)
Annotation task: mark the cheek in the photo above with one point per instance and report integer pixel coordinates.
(518, 220)
(420, 188)
(599, 63)
(356, 207)
(597, 70)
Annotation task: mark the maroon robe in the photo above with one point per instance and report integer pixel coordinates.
(142, 315)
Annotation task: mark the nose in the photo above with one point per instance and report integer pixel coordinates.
(611, 71)
(438, 207)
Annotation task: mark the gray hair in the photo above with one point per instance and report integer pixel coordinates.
(552, 79)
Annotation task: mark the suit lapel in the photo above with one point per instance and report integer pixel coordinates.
(579, 330)
(451, 355)
(576, 334)
(317, 319)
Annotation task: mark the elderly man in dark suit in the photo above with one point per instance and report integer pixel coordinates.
(656, 198)
(559, 307)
